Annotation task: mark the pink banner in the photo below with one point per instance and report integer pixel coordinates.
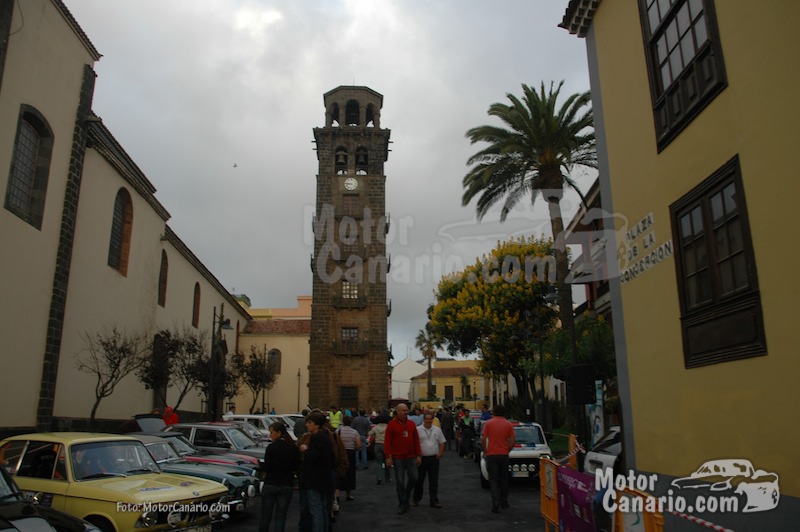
(575, 494)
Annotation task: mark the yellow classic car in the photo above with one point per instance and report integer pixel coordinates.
(111, 481)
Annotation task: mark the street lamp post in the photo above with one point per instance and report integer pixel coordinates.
(298, 389)
(218, 323)
(263, 390)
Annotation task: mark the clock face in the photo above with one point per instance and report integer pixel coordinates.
(351, 183)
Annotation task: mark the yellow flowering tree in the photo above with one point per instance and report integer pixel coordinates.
(491, 309)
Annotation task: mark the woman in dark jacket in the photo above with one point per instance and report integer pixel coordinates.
(316, 479)
(281, 461)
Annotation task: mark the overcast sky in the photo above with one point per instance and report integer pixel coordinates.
(191, 88)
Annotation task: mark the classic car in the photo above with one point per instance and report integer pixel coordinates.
(605, 454)
(243, 462)
(242, 486)
(18, 512)
(263, 421)
(254, 432)
(523, 460)
(219, 436)
(110, 481)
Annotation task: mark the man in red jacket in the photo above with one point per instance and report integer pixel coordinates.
(403, 452)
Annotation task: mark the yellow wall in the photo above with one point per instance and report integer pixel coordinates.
(294, 357)
(739, 409)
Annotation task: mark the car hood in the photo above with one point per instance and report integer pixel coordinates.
(252, 452)
(22, 516)
(233, 456)
(155, 487)
(215, 472)
(529, 450)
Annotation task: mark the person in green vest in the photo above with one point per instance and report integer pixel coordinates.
(335, 417)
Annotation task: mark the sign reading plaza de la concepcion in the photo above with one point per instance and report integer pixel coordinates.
(641, 251)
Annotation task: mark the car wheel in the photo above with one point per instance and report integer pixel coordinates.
(101, 522)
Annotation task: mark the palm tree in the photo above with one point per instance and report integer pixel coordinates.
(533, 155)
(427, 343)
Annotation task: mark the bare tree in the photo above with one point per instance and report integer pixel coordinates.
(172, 363)
(258, 373)
(110, 356)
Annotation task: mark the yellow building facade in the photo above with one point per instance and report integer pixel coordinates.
(282, 334)
(454, 382)
(696, 121)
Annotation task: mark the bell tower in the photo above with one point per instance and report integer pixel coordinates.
(348, 353)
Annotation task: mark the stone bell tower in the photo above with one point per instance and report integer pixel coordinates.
(349, 364)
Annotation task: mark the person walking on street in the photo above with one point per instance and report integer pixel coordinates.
(300, 425)
(379, 433)
(316, 480)
(497, 440)
(352, 444)
(467, 426)
(281, 461)
(432, 442)
(448, 426)
(403, 453)
(335, 417)
(169, 417)
(362, 425)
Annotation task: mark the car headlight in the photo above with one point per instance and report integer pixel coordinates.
(515, 468)
(215, 510)
(251, 491)
(174, 518)
(523, 467)
(148, 519)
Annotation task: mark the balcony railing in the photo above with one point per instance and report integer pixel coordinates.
(360, 301)
(349, 348)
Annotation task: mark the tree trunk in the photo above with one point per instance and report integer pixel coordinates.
(95, 406)
(430, 379)
(562, 269)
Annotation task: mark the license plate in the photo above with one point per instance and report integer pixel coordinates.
(516, 474)
(204, 528)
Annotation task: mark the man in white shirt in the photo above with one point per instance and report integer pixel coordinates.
(432, 442)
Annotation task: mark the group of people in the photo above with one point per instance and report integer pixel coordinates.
(325, 458)
(332, 445)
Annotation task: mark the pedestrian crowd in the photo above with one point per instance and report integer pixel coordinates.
(408, 448)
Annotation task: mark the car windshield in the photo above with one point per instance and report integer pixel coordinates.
(250, 429)
(110, 459)
(609, 443)
(240, 439)
(182, 445)
(528, 435)
(163, 452)
(8, 490)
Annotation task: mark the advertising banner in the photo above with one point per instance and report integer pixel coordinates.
(575, 494)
